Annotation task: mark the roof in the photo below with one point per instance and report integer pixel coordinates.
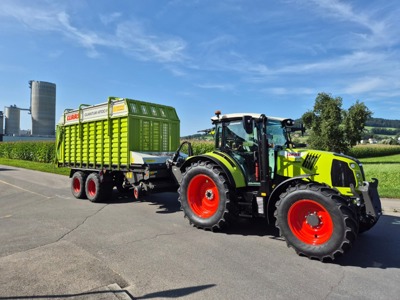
(240, 115)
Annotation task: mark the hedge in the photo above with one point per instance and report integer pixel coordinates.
(38, 151)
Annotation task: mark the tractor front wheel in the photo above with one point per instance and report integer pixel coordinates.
(316, 221)
(204, 195)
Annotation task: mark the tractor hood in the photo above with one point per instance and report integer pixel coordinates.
(337, 170)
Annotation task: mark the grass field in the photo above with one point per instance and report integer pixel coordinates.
(43, 167)
(385, 169)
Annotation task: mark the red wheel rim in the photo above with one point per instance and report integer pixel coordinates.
(91, 188)
(76, 185)
(310, 222)
(203, 196)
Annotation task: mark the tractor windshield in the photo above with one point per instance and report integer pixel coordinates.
(276, 133)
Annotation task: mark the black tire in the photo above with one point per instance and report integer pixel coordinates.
(204, 195)
(96, 189)
(316, 221)
(78, 181)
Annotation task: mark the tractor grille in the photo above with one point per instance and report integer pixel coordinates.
(310, 161)
(341, 174)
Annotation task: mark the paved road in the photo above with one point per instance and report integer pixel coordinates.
(53, 246)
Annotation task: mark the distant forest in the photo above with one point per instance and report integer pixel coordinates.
(378, 122)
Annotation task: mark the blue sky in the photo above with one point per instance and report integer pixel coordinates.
(270, 57)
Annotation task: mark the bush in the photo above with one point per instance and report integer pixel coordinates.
(32, 151)
(364, 151)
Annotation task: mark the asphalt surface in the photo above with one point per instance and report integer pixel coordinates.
(53, 246)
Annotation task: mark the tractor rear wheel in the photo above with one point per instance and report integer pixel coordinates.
(204, 195)
(316, 221)
(78, 185)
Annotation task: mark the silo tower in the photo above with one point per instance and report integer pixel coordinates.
(43, 107)
(12, 118)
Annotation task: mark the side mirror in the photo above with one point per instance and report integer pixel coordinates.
(248, 124)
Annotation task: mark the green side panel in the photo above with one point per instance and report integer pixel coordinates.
(103, 135)
(119, 142)
(231, 165)
(152, 127)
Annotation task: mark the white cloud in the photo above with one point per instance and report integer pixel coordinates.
(134, 40)
(289, 91)
(365, 85)
(376, 29)
(222, 87)
(130, 37)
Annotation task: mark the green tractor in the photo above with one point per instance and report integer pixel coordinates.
(320, 201)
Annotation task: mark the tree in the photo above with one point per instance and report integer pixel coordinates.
(354, 123)
(334, 129)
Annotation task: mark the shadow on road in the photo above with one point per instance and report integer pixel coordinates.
(174, 293)
(6, 169)
(376, 248)
(167, 202)
(251, 227)
(73, 296)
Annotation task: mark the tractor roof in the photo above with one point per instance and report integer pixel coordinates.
(240, 115)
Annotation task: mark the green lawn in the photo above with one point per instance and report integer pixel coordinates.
(44, 167)
(386, 169)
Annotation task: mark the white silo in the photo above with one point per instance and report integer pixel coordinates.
(12, 118)
(43, 107)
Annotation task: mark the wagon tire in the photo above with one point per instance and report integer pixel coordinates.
(78, 181)
(94, 188)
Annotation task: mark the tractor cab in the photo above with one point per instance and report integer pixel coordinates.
(241, 136)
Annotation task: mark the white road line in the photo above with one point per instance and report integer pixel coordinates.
(5, 217)
(15, 186)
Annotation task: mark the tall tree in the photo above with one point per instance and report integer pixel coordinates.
(354, 123)
(334, 129)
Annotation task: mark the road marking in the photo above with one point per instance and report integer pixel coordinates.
(5, 217)
(18, 187)
(63, 197)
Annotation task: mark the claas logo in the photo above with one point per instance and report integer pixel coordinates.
(73, 117)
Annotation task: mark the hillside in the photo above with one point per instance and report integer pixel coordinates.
(379, 122)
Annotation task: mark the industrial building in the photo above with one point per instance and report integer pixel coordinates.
(42, 110)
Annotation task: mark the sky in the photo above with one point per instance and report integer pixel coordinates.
(254, 56)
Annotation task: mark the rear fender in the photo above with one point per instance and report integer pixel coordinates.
(231, 169)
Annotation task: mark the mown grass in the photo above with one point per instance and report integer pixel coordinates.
(386, 170)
